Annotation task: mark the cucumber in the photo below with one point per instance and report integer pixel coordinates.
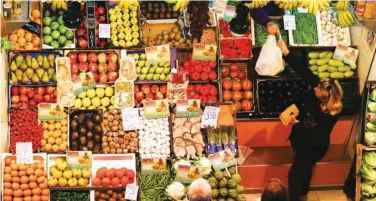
(344, 68)
(322, 68)
(321, 62)
(333, 62)
(313, 68)
(332, 69)
(323, 54)
(337, 75)
(313, 55)
(312, 61)
(329, 55)
(324, 75)
(349, 73)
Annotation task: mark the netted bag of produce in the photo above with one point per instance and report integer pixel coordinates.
(270, 61)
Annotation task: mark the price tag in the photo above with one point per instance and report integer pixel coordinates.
(210, 117)
(104, 31)
(131, 119)
(24, 152)
(289, 22)
(123, 53)
(302, 10)
(131, 192)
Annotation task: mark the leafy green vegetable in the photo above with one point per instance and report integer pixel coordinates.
(370, 158)
(261, 33)
(372, 106)
(368, 172)
(306, 28)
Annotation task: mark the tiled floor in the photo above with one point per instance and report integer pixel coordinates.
(312, 196)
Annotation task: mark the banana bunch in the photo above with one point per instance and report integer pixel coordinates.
(129, 4)
(257, 4)
(286, 4)
(58, 4)
(171, 1)
(180, 5)
(342, 5)
(346, 18)
(315, 5)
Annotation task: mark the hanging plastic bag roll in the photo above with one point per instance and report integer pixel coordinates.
(270, 61)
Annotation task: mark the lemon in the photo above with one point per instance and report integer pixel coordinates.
(113, 18)
(122, 43)
(51, 127)
(63, 182)
(117, 8)
(57, 174)
(111, 11)
(115, 43)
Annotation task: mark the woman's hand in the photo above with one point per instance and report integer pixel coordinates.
(282, 45)
(273, 28)
(294, 120)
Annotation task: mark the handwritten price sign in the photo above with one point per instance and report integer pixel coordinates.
(210, 116)
(131, 192)
(24, 152)
(289, 22)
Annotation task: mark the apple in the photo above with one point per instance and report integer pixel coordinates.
(81, 32)
(83, 43)
(236, 95)
(23, 105)
(74, 75)
(41, 91)
(84, 67)
(103, 78)
(32, 103)
(93, 67)
(102, 68)
(112, 76)
(23, 90)
(163, 89)
(15, 91)
(139, 96)
(92, 57)
(236, 85)
(241, 75)
(234, 67)
(247, 95)
(101, 10)
(31, 94)
(158, 95)
(47, 98)
(226, 84)
(227, 95)
(74, 68)
(15, 99)
(82, 57)
(246, 105)
(96, 77)
(102, 43)
(112, 67)
(23, 99)
(72, 57)
(50, 90)
(136, 88)
(145, 89)
(102, 19)
(246, 85)
(225, 71)
(102, 58)
(112, 58)
(233, 75)
(149, 96)
(154, 89)
(38, 98)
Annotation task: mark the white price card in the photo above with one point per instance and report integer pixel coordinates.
(289, 22)
(302, 10)
(131, 192)
(131, 119)
(104, 31)
(210, 116)
(123, 53)
(24, 152)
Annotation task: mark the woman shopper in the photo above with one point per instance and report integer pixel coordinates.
(274, 190)
(199, 190)
(261, 16)
(310, 134)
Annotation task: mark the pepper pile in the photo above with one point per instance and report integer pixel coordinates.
(236, 48)
(226, 32)
(24, 127)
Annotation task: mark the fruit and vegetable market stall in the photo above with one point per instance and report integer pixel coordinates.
(133, 100)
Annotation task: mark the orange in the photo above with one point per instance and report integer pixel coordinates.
(13, 38)
(20, 32)
(37, 21)
(28, 36)
(16, 46)
(35, 14)
(29, 46)
(36, 42)
(21, 41)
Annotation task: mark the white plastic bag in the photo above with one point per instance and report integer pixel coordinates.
(270, 61)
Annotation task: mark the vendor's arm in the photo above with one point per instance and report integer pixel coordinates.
(297, 62)
(260, 16)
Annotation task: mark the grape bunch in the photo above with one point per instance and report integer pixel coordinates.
(199, 18)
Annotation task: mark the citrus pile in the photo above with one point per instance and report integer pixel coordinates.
(55, 135)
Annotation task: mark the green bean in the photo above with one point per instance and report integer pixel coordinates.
(306, 28)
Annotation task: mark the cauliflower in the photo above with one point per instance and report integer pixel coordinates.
(237, 178)
(213, 182)
(233, 193)
(222, 183)
(241, 198)
(223, 192)
(232, 184)
(218, 175)
(240, 188)
(232, 170)
(176, 190)
(214, 193)
(205, 164)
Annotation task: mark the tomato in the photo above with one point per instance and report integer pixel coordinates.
(212, 99)
(206, 69)
(198, 88)
(234, 67)
(204, 76)
(225, 71)
(195, 76)
(190, 89)
(204, 99)
(212, 75)
(213, 91)
(198, 68)
(204, 91)
(196, 96)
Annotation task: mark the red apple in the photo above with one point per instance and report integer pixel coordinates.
(41, 91)
(102, 43)
(158, 95)
(93, 67)
(139, 96)
(47, 98)
(72, 57)
(74, 75)
(241, 75)
(246, 105)
(15, 99)
(102, 67)
(50, 90)
(23, 99)
(246, 85)
(92, 57)
(102, 58)
(227, 95)
(81, 32)
(74, 68)
(101, 10)
(23, 105)
(236, 95)
(154, 89)
(23, 90)
(31, 94)
(226, 84)
(247, 95)
(236, 85)
(103, 78)
(234, 67)
(84, 67)
(96, 77)
(102, 19)
(112, 76)
(149, 96)
(15, 91)
(83, 43)
(225, 71)
(233, 75)
(38, 98)
(112, 67)
(32, 103)
(82, 57)
(163, 89)
(145, 89)
(136, 88)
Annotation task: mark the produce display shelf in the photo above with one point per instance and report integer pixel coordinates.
(86, 188)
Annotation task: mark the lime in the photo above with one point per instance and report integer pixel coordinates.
(55, 34)
(54, 25)
(62, 29)
(47, 40)
(55, 44)
(69, 34)
(62, 40)
(46, 31)
(47, 21)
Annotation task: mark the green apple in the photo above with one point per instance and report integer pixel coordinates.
(135, 28)
(55, 34)
(69, 34)
(141, 63)
(63, 29)
(47, 21)
(142, 77)
(82, 95)
(119, 15)
(90, 93)
(113, 25)
(86, 102)
(120, 29)
(145, 70)
(68, 43)
(133, 14)
(156, 77)
(128, 44)
(96, 102)
(105, 101)
(77, 103)
(134, 21)
(125, 16)
(62, 40)
(47, 40)
(119, 22)
(114, 31)
(149, 76)
(111, 11)
(109, 91)
(159, 70)
(162, 77)
(47, 30)
(166, 70)
(138, 70)
(121, 36)
(147, 64)
(128, 37)
(54, 25)
(125, 10)
(100, 92)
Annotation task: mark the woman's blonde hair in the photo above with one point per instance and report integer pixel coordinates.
(331, 101)
(274, 190)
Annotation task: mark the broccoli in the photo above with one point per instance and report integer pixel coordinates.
(218, 175)
(232, 183)
(240, 188)
(223, 183)
(213, 182)
(233, 193)
(230, 199)
(223, 192)
(237, 178)
(241, 198)
(232, 170)
(214, 193)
